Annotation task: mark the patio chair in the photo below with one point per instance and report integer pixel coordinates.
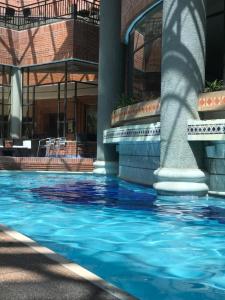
(60, 144)
(81, 143)
(46, 144)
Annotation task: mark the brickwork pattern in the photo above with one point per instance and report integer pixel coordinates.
(73, 148)
(130, 10)
(9, 43)
(46, 164)
(49, 43)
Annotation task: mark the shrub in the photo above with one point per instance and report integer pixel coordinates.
(212, 86)
(124, 100)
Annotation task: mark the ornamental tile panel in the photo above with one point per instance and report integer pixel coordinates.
(209, 130)
(135, 133)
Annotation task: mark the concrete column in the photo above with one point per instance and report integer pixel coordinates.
(183, 76)
(110, 81)
(16, 104)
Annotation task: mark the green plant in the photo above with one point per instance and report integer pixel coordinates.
(124, 100)
(212, 86)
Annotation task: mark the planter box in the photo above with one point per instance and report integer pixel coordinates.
(212, 101)
(136, 111)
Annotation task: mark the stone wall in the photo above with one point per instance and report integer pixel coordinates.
(138, 161)
(215, 166)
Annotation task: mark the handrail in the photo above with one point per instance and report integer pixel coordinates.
(37, 3)
(47, 11)
(9, 5)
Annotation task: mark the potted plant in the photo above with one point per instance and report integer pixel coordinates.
(212, 97)
(214, 86)
(124, 100)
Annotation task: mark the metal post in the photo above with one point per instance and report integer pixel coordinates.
(45, 11)
(75, 110)
(58, 111)
(65, 99)
(28, 100)
(22, 96)
(33, 113)
(130, 65)
(3, 103)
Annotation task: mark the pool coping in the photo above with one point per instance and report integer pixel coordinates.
(67, 264)
(51, 171)
(216, 194)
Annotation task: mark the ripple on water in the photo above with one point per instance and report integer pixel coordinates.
(172, 248)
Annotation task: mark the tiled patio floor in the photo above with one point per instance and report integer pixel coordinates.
(27, 274)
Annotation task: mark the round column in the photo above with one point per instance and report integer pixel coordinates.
(16, 104)
(110, 81)
(183, 77)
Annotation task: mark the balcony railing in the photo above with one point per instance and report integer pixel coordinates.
(48, 11)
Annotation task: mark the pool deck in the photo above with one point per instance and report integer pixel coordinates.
(30, 271)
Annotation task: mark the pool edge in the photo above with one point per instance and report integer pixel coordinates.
(65, 263)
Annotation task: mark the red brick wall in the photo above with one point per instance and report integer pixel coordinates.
(46, 43)
(49, 43)
(45, 107)
(46, 164)
(130, 10)
(86, 41)
(139, 55)
(8, 46)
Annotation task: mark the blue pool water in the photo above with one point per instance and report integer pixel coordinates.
(155, 248)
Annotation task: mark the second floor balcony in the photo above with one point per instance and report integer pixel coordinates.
(48, 11)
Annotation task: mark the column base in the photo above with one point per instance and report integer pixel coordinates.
(180, 182)
(105, 167)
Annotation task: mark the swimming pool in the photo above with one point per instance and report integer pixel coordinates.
(155, 248)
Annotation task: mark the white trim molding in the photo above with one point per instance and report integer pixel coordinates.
(209, 130)
(133, 133)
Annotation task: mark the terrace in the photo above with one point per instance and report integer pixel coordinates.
(46, 11)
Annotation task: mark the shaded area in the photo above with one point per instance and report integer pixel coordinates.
(26, 274)
(112, 194)
(89, 192)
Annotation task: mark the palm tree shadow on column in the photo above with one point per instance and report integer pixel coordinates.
(178, 59)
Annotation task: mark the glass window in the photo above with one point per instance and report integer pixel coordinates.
(145, 57)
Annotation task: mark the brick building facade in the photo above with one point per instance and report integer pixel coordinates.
(55, 50)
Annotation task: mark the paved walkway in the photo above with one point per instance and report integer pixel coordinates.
(27, 274)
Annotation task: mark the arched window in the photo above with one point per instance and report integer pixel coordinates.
(144, 58)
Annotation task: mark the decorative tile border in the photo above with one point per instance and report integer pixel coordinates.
(136, 111)
(209, 130)
(135, 133)
(197, 130)
(212, 101)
